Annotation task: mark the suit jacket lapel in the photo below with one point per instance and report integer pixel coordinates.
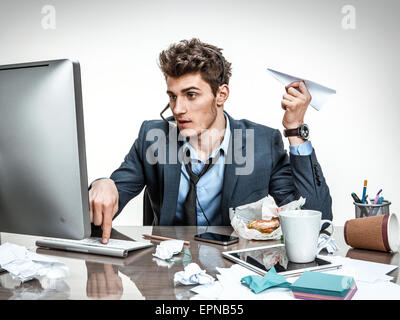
(172, 177)
(230, 176)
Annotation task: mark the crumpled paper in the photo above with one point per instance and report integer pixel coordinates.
(264, 208)
(330, 246)
(192, 274)
(271, 279)
(24, 265)
(166, 249)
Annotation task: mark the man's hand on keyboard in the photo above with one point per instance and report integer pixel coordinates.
(103, 202)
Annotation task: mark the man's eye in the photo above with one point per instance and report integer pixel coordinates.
(192, 95)
(172, 97)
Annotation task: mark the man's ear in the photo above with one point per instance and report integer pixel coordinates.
(222, 94)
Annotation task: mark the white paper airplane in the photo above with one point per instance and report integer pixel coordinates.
(318, 92)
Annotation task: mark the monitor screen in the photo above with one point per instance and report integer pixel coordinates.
(43, 174)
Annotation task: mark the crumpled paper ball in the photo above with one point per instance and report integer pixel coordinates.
(192, 274)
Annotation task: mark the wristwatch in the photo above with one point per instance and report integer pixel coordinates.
(303, 132)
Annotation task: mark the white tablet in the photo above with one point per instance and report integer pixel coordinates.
(262, 259)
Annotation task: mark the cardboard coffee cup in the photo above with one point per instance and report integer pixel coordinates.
(379, 233)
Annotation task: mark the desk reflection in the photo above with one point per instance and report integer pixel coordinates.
(103, 281)
(35, 289)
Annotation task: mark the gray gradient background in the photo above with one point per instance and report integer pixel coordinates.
(117, 43)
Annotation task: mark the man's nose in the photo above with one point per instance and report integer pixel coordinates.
(180, 106)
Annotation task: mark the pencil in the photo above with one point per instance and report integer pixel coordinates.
(160, 238)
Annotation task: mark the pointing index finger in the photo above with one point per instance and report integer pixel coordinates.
(106, 226)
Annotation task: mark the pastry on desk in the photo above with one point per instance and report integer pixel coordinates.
(265, 226)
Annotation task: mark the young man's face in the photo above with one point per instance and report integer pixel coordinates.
(192, 103)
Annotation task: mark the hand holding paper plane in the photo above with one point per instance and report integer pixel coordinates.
(318, 92)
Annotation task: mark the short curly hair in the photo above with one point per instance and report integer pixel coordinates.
(189, 56)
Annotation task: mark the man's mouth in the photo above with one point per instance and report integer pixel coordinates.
(183, 122)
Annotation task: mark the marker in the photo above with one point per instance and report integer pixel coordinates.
(380, 200)
(377, 196)
(364, 192)
(355, 197)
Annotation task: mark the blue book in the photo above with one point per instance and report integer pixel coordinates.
(318, 285)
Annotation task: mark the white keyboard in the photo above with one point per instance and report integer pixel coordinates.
(112, 243)
(114, 247)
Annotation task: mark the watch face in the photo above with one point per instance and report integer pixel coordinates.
(304, 131)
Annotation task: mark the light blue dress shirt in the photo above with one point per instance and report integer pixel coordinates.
(209, 187)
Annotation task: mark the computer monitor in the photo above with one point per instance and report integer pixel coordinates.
(43, 174)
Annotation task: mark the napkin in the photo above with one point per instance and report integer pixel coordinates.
(192, 274)
(331, 245)
(166, 249)
(264, 208)
(271, 279)
(24, 265)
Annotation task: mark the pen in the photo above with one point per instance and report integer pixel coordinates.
(150, 236)
(380, 200)
(364, 191)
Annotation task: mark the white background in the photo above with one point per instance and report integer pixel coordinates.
(117, 44)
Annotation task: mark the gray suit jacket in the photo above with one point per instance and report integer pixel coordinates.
(154, 162)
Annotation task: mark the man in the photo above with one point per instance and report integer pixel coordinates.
(194, 170)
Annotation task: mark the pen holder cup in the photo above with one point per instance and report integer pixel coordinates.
(369, 210)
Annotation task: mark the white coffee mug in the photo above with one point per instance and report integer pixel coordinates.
(301, 230)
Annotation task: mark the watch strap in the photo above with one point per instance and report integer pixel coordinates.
(292, 132)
